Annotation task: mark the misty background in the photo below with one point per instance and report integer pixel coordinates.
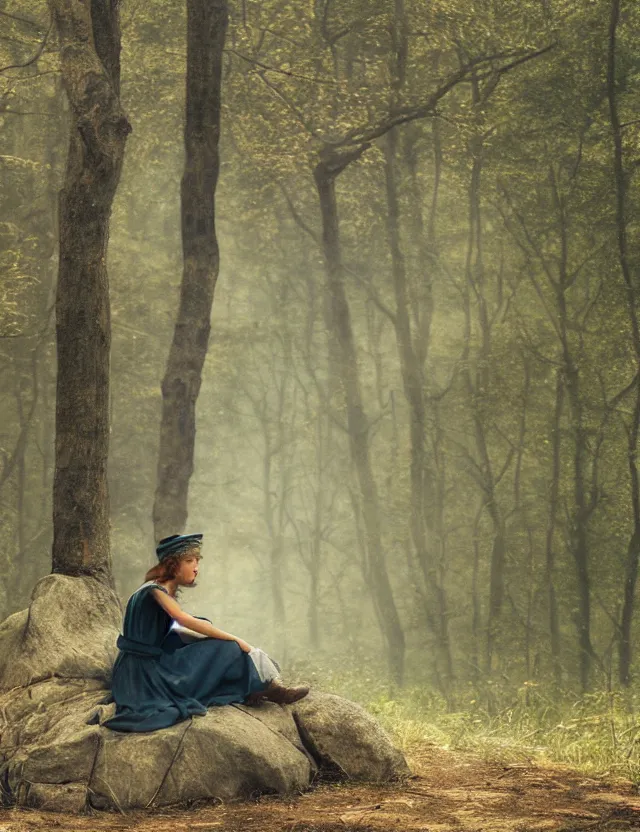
(499, 232)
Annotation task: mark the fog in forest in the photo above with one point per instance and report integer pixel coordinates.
(457, 508)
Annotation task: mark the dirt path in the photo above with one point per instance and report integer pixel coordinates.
(448, 791)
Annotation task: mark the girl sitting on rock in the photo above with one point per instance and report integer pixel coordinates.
(171, 664)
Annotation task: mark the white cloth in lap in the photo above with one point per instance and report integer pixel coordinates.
(266, 667)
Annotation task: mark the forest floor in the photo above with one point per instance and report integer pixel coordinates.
(448, 790)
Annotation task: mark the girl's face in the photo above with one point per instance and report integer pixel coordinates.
(188, 570)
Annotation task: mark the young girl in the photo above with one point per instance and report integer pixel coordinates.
(172, 664)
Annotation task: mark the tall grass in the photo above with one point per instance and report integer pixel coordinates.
(596, 733)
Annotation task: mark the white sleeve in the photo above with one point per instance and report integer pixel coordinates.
(185, 633)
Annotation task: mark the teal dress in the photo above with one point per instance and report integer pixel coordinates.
(159, 680)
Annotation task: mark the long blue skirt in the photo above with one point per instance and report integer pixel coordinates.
(159, 680)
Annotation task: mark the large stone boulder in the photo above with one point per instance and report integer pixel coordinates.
(69, 630)
(55, 753)
(226, 754)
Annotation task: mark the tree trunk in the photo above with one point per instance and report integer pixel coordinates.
(206, 29)
(630, 281)
(476, 606)
(550, 565)
(580, 515)
(477, 383)
(90, 57)
(581, 510)
(338, 323)
(413, 384)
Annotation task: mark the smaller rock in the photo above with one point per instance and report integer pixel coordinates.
(346, 740)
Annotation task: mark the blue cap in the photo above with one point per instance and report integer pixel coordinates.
(176, 543)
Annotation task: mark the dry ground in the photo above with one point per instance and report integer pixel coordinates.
(448, 791)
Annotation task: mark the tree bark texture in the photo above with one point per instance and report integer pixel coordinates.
(206, 30)
(89, 36)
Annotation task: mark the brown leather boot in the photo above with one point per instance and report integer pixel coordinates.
(279, 693)
(282, 695)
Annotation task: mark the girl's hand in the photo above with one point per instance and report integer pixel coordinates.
(243, 645)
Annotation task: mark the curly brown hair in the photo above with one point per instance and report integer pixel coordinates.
(168, 567)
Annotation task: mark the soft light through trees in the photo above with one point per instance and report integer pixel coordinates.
(418, 413)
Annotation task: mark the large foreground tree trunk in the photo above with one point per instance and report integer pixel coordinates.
(206, 29)
(90, 58)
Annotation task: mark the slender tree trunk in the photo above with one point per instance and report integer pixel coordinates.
(206, 29)
(434, 490)
(580, 514)
(89, 37)
(550, 564)
(338, 322)
(529, 625)
(475, 279)
(476, 616)
(412, 353)
(413, 383)
(581, 511)
(631, 579)
(630, 282)
(521, 513)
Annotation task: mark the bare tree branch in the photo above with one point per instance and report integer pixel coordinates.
(38, 53)
(287, 72)
(21, 19)
(362, 135)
